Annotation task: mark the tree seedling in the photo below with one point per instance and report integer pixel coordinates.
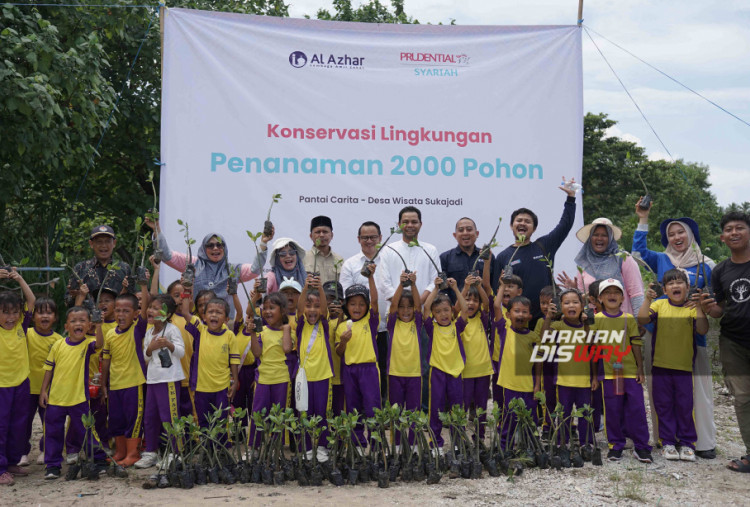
(153, 215)
(75, 282)
(645, 202)
(508, 269)
(405, 283)
(188, 276)
(268, 225)
(315, 271)
(555, 297)
(484, 252)
(142, 242)
(649, 276)
(440, 274)
(263, 285)
(365, 271)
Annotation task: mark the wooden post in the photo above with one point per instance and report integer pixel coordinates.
(580, 12)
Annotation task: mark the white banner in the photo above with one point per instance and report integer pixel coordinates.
(356, 120)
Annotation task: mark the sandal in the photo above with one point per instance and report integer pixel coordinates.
(741, 465)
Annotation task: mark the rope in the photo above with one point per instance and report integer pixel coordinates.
(629, 95)
(109, 6)
(668, 76)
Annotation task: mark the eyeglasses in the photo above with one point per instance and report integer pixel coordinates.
(287, 253)
(210, 246)
(369, 238)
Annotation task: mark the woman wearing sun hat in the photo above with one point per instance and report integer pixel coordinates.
(681, 239)
(286, 258)
(599, 260)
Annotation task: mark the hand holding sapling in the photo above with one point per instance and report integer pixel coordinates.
(188, 277)
(261, 284)
(508, 269)
(268, 228)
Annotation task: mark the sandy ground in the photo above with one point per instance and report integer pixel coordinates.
(705, 482)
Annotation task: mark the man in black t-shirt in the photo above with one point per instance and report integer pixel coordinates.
(731, 284)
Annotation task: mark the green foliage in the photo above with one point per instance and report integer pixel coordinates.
(612, 168)
(371, 12)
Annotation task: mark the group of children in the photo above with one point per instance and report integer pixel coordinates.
(169, 355)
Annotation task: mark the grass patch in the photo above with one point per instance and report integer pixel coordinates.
(632, 488)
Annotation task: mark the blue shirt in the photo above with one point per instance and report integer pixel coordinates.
(456, 263)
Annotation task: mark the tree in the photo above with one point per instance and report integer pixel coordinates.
(611, 169)
(371, 12)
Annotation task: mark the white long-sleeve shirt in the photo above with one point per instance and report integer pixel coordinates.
(350, 275)
(155, 373)
(388, 274)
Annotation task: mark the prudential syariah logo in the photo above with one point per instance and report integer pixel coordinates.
(298, 59)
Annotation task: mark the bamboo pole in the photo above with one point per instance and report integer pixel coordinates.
(580, 12)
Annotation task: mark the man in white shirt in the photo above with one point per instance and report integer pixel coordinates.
(369, 237)
(388, 273)
(389, 270)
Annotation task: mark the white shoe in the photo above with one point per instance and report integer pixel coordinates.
(398, 449)
(40, 459)
(167, 461)
(308, 455)
(71, 459)
(322, 454)
(437, 451)
(670, 453)
(687, 454)
(148, 459)
(24, 461)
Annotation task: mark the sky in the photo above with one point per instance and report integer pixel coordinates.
(705, 44)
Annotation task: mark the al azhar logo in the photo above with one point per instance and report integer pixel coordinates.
(298, 59)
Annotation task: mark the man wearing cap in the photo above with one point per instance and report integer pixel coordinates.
(527, 261)
(369, 236)
(457, 262)
(93, 271)
(320, 257)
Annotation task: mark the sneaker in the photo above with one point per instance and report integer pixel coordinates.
(6, 479)
(148, 459)
(40, 459)
(709, 454)
(643, 455)
(322, 454)
(24, 461)
(686, 454)
(614, 455)
(670, 453)
(71, 458)
(52, 473)
(16, 470)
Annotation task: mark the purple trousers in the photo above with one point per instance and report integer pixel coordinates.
(476, 392)
(673, 401)
(625, 414)
(162, 402)
(126, 412)
(338, 399)
(266, 396)
(598, 404)
(445, 391)
(54, 433)
(14, 410)
(74, 436)
(243, 397)
(318, 403)
(34, 408)
(406, 392)
(207, 403)
(362, 392)
(550, 393)
(507, 427)
(578, 396)
(186, 402)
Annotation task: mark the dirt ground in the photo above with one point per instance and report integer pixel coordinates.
(705, 482)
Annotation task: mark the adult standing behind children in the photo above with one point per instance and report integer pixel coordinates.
(682, 241)
(92, 272)
(526, 261)
(457, 262)
(369, 236)
(286, 258)
(320, 258)
(731, 284)
(211, 264)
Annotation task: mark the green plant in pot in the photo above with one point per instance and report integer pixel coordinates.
(484, 252)
(263, 281)
(268, 225)
(405, 283)
(440, 274)
(365, 271)
(649, 275)
(188, 276)
(508, 269)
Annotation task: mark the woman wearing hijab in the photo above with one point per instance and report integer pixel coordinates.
(600, 260)
(286, 260)
(211, 264)
(681, 239)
